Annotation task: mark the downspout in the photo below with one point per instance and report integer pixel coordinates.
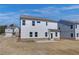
(75, 31)
(19, 37)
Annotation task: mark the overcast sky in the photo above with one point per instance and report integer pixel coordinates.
(10, 13)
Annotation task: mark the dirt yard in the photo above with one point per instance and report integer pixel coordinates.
(10, 46)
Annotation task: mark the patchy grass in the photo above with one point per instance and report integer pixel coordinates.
(10, 46)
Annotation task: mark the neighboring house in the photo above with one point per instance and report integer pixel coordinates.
(8, 32)
(11, 31)
(69, 29)
(38, 28)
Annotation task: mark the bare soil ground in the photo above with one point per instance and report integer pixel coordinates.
(10, 46)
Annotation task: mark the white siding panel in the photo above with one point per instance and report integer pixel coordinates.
(77, 31)
(52, 25)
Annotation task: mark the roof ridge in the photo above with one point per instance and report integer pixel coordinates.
(35, 18)
(74, 22)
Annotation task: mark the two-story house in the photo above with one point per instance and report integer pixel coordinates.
(38, 28)
(69, 29)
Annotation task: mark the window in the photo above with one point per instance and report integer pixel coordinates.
(31, 34)
(45, 34)
(46, 23)
(76, 26)
(71, 34)
(13, 33)
(36, 34)
(77, 34)
(56, 34)
(23, 22)
(71, 26)
(33, 23)
(38, 21)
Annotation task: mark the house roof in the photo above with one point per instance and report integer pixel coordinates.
(11, 27)
(54, 30)
(25, 17)
(68, 22)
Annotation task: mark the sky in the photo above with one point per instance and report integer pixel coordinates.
(10, 13)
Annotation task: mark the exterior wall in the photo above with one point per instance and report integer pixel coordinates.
(52, 25)
(41, 28)
(58, 37)
(65, 31)
(54, 36)
(66, 35)
(16, 31)
(77, 31)
(65, 27)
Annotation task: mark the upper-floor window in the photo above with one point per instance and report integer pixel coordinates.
(38, 21)
(45, 34)
(33, 23)
(56, 34)
(36, 34)
(46, 23)
(71, 26)
(23, 22)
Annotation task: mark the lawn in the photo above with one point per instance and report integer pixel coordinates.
(10, 46)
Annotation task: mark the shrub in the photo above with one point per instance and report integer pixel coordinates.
(2, 29)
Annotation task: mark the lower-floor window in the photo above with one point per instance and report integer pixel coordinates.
(45, 34)
(31, 34)
(77, 34)
(36, 34)
(56, 34)
(13, 33)
(71, 34)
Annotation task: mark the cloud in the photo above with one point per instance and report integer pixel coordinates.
(6, 15)
(9, 18)
(71, 17)
(70, 7)
(55, 10)
(50, 12)
(47, 10)
(57, 13)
